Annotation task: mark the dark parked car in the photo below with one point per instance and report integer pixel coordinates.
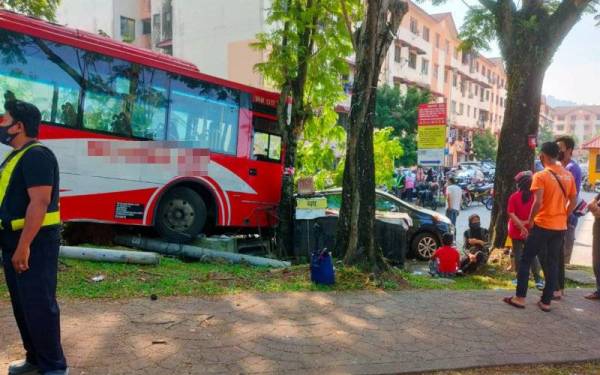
(425, 234)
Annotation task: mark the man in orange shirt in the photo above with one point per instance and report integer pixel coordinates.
(555, 197)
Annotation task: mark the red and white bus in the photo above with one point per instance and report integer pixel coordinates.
(143, 138)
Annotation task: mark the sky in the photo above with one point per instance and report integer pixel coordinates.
(575, 71)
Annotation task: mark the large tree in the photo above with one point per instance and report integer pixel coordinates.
(37, 8)
(371, 40)
(529, 32)
(399, 111)
(307, 50)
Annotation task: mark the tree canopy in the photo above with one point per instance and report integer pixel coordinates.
(399, 111)
(485, 145)
(38, 8)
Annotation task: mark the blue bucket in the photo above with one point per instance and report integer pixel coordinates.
(321, 268)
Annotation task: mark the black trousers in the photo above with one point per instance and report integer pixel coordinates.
(33, 297)
(548, 245)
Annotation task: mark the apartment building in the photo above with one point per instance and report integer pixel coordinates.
(124, 20)
(582, 122)
(547, 115)
(427, 54)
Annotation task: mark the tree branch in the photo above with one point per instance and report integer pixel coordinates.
(348, 23)
(562, 21)
(504, 12)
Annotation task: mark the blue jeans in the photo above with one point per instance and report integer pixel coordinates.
(452, 215)
(548, 244)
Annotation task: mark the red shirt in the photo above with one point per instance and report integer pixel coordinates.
(449, 259)
(521, 210)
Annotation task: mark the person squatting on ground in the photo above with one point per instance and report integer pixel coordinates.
(566, 146)
(520, 204)
(30, 239)
(445, 261)
(554, 200)
(476, 246)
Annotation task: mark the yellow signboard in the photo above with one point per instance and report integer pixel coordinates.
(311, 203)
(431, 136)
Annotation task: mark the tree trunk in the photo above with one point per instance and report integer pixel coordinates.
(291, 133)
(520, 120)
(528, 51)
(355, 233)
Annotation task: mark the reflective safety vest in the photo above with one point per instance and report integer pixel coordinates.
(7, 169)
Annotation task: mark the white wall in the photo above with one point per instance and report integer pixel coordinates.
(129, 9)
(203, 30)
(88, 15)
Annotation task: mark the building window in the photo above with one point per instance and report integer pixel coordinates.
(587, 117)
(574, 118)
(437, 40)
(560, 128)
(597, 163)
(436, 69)
(456, 53)
(461, 109)
(483, 70)
(412, 60)
(562, 118)
(487, 95)
(476, 90)
(425, 67)
(454, 80)
(397, 54)
(475, 113)
(127, 29)
(477, 66)
(465, 58)
(414, 26)
(453, 106)
(146, 27)
(426, 33)
(447, 47)
(598, 117)
(445, 74)
(469, 111)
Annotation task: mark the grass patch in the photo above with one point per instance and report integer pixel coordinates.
(583, 368)
(176, 278)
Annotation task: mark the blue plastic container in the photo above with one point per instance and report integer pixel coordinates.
(321, 268)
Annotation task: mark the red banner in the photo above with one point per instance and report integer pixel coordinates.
(432, 114)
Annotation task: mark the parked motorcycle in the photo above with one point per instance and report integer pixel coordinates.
(481, 193)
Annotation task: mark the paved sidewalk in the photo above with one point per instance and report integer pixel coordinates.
(320, 333)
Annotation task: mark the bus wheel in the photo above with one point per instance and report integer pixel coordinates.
(181, 215)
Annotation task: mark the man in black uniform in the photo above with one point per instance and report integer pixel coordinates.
(30, 239)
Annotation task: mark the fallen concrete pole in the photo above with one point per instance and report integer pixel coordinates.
(111, 256)
(168, 248)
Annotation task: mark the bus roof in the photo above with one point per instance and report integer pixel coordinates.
(82, 39)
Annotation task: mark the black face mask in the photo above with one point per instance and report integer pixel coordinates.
(6, 138)
(475, 226)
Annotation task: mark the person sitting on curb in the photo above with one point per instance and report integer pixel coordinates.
(444, 262)
(476, 246)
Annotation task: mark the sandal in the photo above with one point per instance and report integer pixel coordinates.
(594, 296)
(510, 301)
(542, 307)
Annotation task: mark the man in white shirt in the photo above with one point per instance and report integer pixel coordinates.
(453, 200)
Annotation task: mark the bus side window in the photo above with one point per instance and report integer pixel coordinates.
(34, 70)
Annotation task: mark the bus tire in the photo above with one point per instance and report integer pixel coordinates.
(181, 215)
